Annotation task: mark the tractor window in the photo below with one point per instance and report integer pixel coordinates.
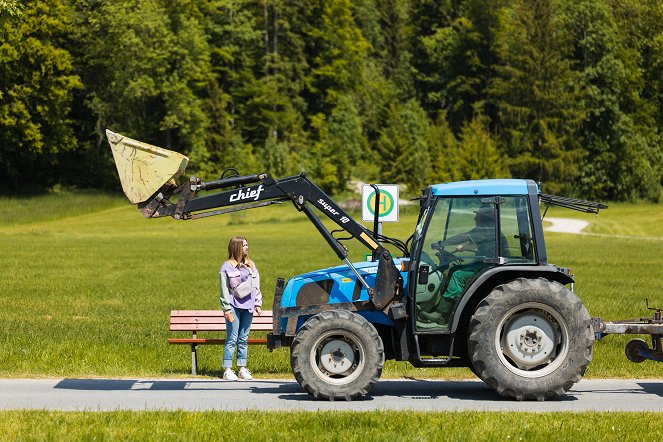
(517, 229)
(459, 240)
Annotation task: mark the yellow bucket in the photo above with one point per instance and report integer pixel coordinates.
(144, 168)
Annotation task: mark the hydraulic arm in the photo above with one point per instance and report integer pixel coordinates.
(265, 190)
(246, 192)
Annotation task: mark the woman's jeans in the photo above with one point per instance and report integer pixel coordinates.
(237, 333)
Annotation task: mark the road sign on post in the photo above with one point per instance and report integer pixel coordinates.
(387, 206)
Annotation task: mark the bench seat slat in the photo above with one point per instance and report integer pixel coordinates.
(174, 313)
(214, 320)
(215, 327)
(209, 341)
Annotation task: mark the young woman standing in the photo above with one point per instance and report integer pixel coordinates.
(240, 297)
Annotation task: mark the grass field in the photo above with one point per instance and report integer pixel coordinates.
(329, 426)
(89, 283)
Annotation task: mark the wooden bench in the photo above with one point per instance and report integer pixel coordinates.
(195, 321)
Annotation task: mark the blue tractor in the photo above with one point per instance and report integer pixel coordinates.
(472, 286)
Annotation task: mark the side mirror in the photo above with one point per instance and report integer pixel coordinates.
(422, 276)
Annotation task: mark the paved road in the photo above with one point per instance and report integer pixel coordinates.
(425, 395)
(566, 225)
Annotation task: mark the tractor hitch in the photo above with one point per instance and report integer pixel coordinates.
(637, 350)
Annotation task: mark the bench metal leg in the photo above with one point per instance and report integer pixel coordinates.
(194, 359)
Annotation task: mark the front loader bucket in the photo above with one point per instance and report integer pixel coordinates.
(144, 168)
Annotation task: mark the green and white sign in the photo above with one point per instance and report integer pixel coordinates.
(387, 206)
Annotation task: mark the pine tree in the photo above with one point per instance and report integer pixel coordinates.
(338, 59)
(146, 65)
(478, 157)
(403, 147)
(340, 147)
(444, 151)
(237, 97)
(536, 94)
(457, 54)
(394, 52)
(620, 160)
(453, 51)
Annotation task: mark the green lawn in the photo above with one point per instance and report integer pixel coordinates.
(327, 426)
(639, 220)
(54, 206)
(89, 283)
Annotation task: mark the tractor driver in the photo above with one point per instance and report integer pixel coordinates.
(481, 241)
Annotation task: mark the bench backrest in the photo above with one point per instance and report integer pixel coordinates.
(212, 320)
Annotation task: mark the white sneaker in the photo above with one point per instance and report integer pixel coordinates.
(245, 374)
(229, 375)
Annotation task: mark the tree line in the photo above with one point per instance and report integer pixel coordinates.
(566, 92)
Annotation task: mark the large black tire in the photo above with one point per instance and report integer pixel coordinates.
(531, 339)
(337, 355)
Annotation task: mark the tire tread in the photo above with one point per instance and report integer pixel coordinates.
(580, 355)
(319, 323)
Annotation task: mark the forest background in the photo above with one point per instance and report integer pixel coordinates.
(566, 92)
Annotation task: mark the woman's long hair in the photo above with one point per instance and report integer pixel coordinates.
(235, 250)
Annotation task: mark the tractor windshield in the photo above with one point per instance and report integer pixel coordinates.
(464, 237)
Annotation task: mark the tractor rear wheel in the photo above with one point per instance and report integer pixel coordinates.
(337, 355)
(531, 339)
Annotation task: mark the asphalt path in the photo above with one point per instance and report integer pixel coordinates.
(388, 394)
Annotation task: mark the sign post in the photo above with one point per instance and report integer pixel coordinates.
(387, 205)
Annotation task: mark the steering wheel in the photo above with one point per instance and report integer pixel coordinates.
(446, 258)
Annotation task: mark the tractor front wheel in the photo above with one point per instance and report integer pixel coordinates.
(531, 339)
(337, 355)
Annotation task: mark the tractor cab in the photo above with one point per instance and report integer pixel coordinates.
(466, 229)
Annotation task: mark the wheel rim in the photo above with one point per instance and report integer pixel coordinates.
(338, 358)
(533, 340)
(633, 349)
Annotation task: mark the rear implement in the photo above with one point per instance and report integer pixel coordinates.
(636, 350)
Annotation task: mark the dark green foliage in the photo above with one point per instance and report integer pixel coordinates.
(403, 147)
(340, 147)
(537, 93)
(339, 53)
(619, 136)
(568, 93)
(37, 82)
(479, 157)
(458, 54)
(144, 64)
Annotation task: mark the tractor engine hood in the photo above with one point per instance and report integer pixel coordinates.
(333, 285)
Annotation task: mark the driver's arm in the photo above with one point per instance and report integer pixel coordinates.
(457, 240)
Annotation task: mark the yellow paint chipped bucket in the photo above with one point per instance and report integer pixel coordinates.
(144, 168)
